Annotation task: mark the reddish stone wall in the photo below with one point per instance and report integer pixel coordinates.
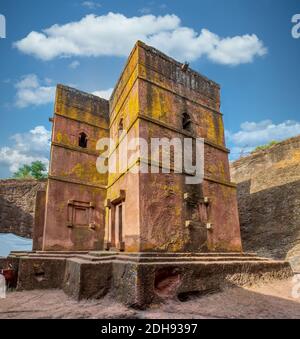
(17, 205)
(76, 192)
(150, 98)
(124, 106)
(39, 221)
(77, 235)
(165, 94)
(142, 212)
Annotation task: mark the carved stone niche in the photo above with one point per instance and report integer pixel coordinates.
(81, 214)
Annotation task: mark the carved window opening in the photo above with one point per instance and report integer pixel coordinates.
(121, 127)
(186, 122)
(83, 140)
(198, 209)
(81, 214)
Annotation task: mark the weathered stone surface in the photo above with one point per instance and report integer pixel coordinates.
(74, 211)
(87, 280)
(64, 228)
(149, 101)
(139, 280)
(159, 229)
(154, 282)
(39, 221)
(138, 212)
(17, 205)
(269, 201)
(40, 273)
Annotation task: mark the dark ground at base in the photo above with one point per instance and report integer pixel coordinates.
(272, 300)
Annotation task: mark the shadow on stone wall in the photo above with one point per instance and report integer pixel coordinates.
(270, 221)
(13, 219)
(17, 205)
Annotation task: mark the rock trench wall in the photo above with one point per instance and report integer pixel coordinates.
(269, 201)
(17, 205)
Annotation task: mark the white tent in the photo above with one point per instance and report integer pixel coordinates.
(10, 242)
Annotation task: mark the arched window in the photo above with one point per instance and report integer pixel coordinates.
(121, 127)
(83, 140)
(186, 122)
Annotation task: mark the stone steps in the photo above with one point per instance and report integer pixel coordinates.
(137, 279)
(173, 259)
(146, 258)
(162, 254)
(146, 254)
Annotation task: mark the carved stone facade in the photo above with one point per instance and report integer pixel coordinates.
(74, 211)
(142, 237)
(155, 97)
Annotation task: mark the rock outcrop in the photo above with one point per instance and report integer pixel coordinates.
(269, 201)
(17, 205)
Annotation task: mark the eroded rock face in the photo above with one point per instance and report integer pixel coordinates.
(17, 204)
(269, 201)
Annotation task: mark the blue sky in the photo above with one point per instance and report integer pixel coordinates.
(245, 45)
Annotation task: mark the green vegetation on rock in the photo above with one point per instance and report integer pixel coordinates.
(265, 147)
(36, 170)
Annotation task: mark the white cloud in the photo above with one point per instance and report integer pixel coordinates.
(114, 34)
(234, 51)
(253, 134)
(105, 94)
(91, 4)
(27, 147)
(31, 92)
(74, 64)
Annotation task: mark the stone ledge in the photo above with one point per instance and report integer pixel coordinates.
(136, 283)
